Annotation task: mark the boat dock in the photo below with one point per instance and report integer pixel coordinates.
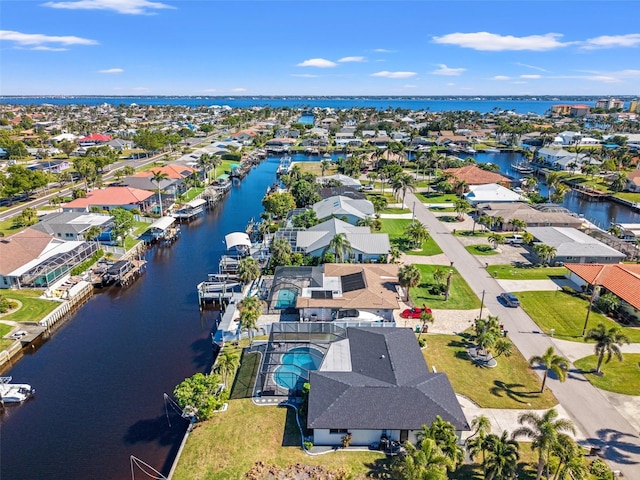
(591, 195)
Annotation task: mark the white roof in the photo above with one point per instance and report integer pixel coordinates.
(237, 239)
(196, 203)
(64, 136)
(491, 192)
(163, 223)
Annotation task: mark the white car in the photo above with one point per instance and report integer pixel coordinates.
(18, 335)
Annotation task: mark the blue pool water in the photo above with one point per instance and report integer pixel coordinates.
(286, 298)
(295, 366)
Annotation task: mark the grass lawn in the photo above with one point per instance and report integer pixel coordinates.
(227, 446)
(461, 296)
(5, 343)
(192, 193)
(33, 308)
(619, 377)
(7, 228)
(396, 210)
(512, 384)
(481, 249)
(632, 197)
(479, 233)
(316, 168)
(395, 228)
(437, 197)
(509, 272)
(566, 314)
(388, 195)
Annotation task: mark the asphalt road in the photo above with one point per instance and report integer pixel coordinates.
(601, 423)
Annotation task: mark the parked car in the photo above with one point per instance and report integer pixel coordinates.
(514, 239)
(368, 186)
(509, 299)
(414, 312)
(18, 335)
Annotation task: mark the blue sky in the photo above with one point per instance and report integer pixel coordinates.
(305, 47)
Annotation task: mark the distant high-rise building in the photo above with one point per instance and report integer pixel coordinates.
(634, 106)
(610, 104)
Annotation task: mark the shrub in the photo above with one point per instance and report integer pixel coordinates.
(422, 342)
(436, 288)
(599, 469)
(6, 304)
(569, 290)
(346, 440)
(308, 445)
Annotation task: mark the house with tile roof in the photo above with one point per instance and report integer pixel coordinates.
(574, 246)
(633, 181)
(375, 384)
(477, 176)
(622, 280)
(32, 258)
(112, 197)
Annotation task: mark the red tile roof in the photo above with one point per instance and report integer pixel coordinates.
(95, 137)
(111, 196)
(620, 279)
(476, 176)
(174, 171)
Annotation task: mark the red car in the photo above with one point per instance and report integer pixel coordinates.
(414, 312)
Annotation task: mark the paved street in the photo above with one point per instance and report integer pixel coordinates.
(601, 424)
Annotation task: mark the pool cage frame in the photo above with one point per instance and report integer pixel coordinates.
(294, 279)
(285, 337)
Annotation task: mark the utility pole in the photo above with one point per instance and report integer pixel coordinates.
(481, 305)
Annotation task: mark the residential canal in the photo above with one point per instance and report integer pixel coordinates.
(100, 379)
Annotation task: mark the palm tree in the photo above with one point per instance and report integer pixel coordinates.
(324, 166)
(608, 342)
(551, 363)
(157, 177)
(559, 194)
(409, 276)
(477, 442)
(553, 180)
(444, 434)
(544, 252)
(372, 176)
(402, 183)
(226, 365)
(417, 234)
(341, 247)
(424, 463)
(543, 430)
(379, 204)
(571, 465)
(394, 254)
(461, 207)
(92, 233)
(619, 182)
(494, 239)
(248, 269)
(502, 457)
(215, 162)
(250, 310)
(517, 224)
(204, 162)
(425, 317)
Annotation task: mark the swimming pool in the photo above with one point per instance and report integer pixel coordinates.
(296, 364)
(286, 298)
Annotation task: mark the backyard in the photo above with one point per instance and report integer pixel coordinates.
(395, 227)
(461, 296)
(32, 308)
(566, 314)
(512, 384)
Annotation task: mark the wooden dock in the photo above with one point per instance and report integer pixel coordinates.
(591, 195)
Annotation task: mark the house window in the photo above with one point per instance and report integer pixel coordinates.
(336, 431)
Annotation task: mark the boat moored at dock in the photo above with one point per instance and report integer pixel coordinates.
(14, 392)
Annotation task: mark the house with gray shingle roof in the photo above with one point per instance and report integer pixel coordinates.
(574, 246)
(375, 383)
(345, 208)
(72, 225)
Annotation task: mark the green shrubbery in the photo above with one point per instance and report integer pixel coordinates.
(81, 268)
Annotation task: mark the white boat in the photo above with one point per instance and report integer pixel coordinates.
(14, 392)
(492, 150)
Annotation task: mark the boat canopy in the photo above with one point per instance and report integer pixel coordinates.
(196, 203)
(237, 239)
(162, 223)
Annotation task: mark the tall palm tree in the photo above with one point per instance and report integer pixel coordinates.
(502, 457)
(461, 207)
(477, 442)
(495, 239)
(250, 310)
(341, 247)
(409, 276)
(417, 234)
(402, 183)
(226, 365)
(157, 177)
(553, 180)
(571, 465)
(215, 162)
(324, 166)
(425, 317)
(204, 162)
(424, 463)
(444, 434)
(543, 430)
(551, 363)
(248, 269)
(608, 342)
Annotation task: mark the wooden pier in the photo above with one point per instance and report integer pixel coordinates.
(590, 194)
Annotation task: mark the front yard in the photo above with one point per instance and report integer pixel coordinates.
(619, 377)
(395, 227)
(461, 296)
(509, 272)
(566, 314)
(512, 384)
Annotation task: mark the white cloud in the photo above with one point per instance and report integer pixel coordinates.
(604, 79)
(238, 90)
(382, 50)
(493, 42)
(49, 49)
(304, 75)
(38, 40)
(352, 59)
(111, 70)
(318, 62)
(451, 84)
(409, 86)
(448, 71)
(610, 41)
(210, 90)
(501, 77)
(387, 74)
(540, 69)
(531, 77)
(519, 82)
(129, 7)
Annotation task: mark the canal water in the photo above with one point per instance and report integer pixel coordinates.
(100, 379)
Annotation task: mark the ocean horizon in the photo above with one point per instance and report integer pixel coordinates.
(482, 104)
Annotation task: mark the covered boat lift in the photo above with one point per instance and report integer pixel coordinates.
(190, 209)
(162, 229)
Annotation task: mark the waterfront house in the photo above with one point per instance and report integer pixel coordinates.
(345, 208)
(491, 192)
(343, 191)
(314, 241)
(110, 198)
(622, 280)
(341, 179)
(532, 216)
(633, 181)
(375, 385)
(32, 258)
(473, 175)
(574, 246)
(73, 225)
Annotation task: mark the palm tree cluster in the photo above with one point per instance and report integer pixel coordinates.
(546, 253)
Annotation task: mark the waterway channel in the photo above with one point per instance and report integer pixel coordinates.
(100, 379)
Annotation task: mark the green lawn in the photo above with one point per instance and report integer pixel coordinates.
(33, 308)
(512, 384)
(437, 197)
(7, 228)
(481, 249)
(566, 314)
(395, 228)
(192, 193)
(396, 210)
(227, 446)
(619, 377)
(4, 329)
(461, 296)
(478, 233)
(632, 197)
(509, 272)
(388, 195)
(246, 376)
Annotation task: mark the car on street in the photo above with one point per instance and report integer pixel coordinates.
(367, 187)
(509, 299)
(414, 312)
